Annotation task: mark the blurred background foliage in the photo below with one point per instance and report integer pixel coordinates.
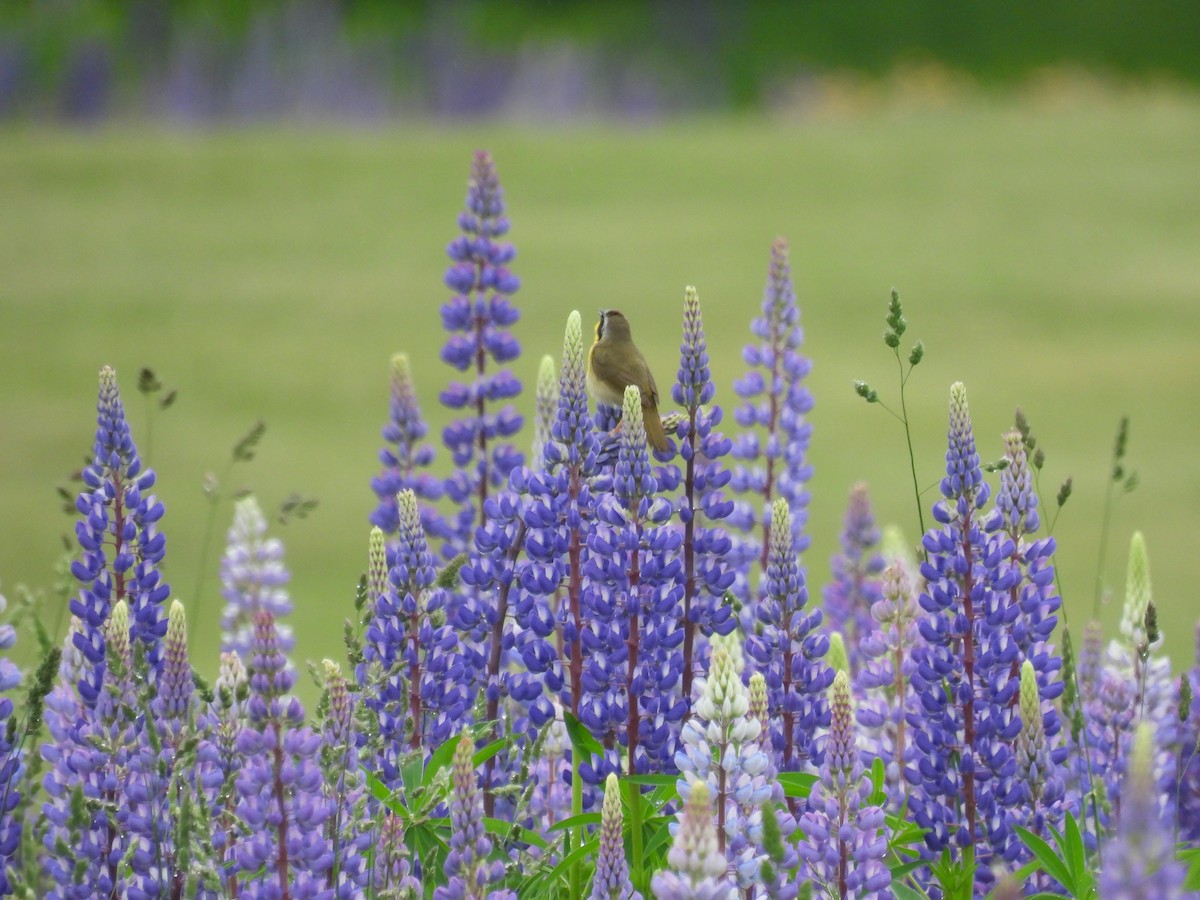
(373, 59)
(259, 204)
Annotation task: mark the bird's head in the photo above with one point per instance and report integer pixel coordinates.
(613, 326)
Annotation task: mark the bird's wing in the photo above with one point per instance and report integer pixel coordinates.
(633, 370)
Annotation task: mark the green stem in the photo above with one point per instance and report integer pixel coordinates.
(576, 834)
(1104, 522)
(637, 864)
(912, 459)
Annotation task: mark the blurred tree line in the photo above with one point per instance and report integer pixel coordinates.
(218, 59)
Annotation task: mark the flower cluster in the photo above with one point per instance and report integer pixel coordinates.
(789, 650)
(849, 598)
(253, 577)
(405, 458)
(118, 516)
(774, 443)
(593, 623)
(844, 842)
(478, 317)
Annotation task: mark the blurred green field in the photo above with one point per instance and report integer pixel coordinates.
(1048, 254)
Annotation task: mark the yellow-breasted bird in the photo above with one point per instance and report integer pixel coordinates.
(615, 363)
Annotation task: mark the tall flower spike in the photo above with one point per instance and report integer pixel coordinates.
(706, 574)
(253, 577)
(279, 789)
(560, 511)
(545, 410)
(478, 317)
(844, 843)
(774, 447)
(632, 599)
(856, 575)
(1139, 861)
(720, 746)
(964, 673)
(695, 864)
(422, 693)
(611, 881)
(884, 682)
(468, 870)
(11, 759)
(405, 458)
(120, 516)
(790, 649)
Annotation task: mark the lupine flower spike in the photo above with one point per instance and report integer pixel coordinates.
(405, 458)
(478, 317)
(844, 843)
(774, 448)
(253, 577)
(468, 868)
(119, 517)
(695, 864)
(612, 871)
(706, 573)
(1139, 861)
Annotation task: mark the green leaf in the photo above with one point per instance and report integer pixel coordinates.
(660, 780)
(1049, 859)
(904, 892)
(503, 829)
(439, 759)
(1192, 858)
(581, 739)
(583, 819)
(1074, 853)
(796, 784)
(487, 751)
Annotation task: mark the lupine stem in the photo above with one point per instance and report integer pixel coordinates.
(493, 669)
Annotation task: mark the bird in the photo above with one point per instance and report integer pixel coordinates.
(614, 363)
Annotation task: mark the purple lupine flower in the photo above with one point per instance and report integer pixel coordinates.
(468, 869)
(393, 869)
(88, 760)
(611, 881)
(1036, 769)
(844, 841)
(1188, 811)
(706, 575)
(478, 317)
(227, 719)
(347, 832)
(720, 746)
(152, 797)
(422, 695)
(779, 880)
(632, 636)
(551, 798)
(560, 512)
(1134, 686)
(120, 516)
(789, 650)
(545, 412)
(405, 458)
(286, 852)
(11, 760)
(1023, 570)
(964, 680)
(253, 577)
(696, 867)
(884, 683)
(1139, 861)
(856, 576)
(775, 448)
(484, 619)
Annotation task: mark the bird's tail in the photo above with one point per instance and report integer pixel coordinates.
(655, 434)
